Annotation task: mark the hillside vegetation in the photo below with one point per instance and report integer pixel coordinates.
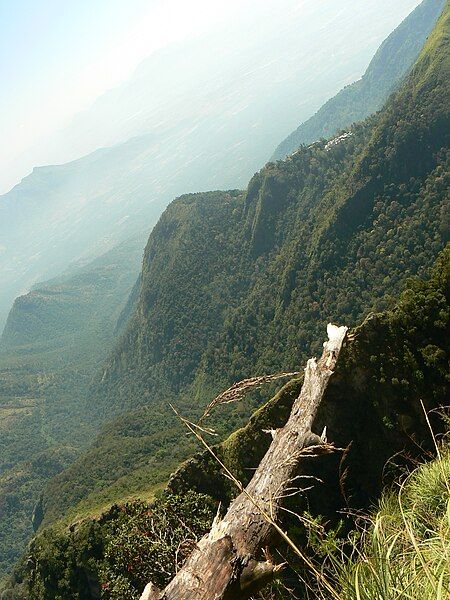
(404, 550)
(240, 283)
(392, 363)
(55, 340)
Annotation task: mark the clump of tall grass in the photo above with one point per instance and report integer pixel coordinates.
(403, 551)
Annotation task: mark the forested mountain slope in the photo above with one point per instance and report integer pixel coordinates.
(237, 284)
(55, 340)
(57, 335)
(260, 269)
(357, 101)
(391, 363)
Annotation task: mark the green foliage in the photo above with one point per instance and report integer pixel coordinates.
(403, 550)
(115, 556)
(151, 545)
(20, 487)
(363, 404)
(377, 377)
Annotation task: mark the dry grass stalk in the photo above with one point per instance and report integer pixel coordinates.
(238, 390)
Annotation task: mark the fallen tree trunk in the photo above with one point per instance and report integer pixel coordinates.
(224, 565)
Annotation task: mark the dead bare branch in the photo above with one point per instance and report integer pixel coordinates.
(224, 564)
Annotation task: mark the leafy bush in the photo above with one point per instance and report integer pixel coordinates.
(151, 543)
(116, 555)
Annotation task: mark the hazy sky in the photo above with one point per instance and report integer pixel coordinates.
(58, 56)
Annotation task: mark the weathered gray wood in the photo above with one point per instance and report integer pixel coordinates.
(224, 565)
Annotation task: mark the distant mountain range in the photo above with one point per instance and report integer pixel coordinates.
(357, 101)
(173, 128)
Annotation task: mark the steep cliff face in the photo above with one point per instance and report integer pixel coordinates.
(387, 69)
(390, 365)
(186, 259)
(394, 365)
(237, 281)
